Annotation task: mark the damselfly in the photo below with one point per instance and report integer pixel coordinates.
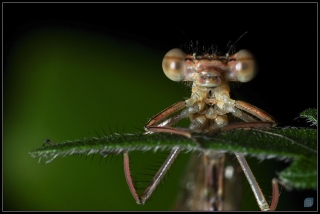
(209, 109)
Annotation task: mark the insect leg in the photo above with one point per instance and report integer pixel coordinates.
(128, 177)
(275, 194)
(155, 180)
(159, 176)
(155, 125)
(155, 120)
(263, 204)
(246, 125)
(262, 115)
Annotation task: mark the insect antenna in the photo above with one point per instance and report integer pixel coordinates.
(189, 41)
(227, 54)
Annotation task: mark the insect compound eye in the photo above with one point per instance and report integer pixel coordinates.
(245, 67)
(173, 64)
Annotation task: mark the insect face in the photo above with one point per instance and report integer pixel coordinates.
(209, 70)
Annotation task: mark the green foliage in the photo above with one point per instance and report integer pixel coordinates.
(310, 115)
(298, 145)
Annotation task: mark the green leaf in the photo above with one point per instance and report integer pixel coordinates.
(310, 115)
(301, 174)
(298, 145)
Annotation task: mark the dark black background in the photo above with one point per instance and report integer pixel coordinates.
(283, 38)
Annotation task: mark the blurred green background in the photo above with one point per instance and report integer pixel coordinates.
(63, 83)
